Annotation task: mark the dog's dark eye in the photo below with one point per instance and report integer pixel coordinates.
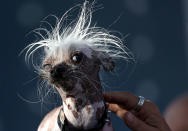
(47, 67)
(77, 57)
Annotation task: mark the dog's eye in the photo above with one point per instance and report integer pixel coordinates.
(47, 67)
(77, 57)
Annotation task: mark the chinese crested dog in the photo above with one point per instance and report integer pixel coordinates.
(72, 55)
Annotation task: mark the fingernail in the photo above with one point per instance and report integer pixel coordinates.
(130, 117)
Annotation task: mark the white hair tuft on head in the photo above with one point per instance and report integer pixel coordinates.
(78, 31)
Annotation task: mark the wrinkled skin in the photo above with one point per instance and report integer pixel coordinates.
(49, 123)
(78, 84)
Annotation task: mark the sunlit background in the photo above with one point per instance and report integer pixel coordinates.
(156, 33)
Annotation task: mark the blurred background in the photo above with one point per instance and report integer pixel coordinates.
(156, 30)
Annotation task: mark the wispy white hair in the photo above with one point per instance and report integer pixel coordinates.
(79, 30)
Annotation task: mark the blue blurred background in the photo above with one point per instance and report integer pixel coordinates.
(157, 36)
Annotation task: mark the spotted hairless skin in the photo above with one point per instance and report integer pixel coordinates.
(76, 78)
(72, 53)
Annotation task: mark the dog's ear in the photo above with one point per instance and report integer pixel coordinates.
(106, 61)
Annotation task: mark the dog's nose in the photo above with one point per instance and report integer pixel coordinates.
(58, 71)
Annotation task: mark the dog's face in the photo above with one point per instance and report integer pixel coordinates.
(67, 66)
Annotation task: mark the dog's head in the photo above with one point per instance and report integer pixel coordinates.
(73, 63)
(73, 53)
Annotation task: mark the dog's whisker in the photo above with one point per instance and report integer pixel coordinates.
(30, 80)
(89, 79)
(26, 100)
(71, 56)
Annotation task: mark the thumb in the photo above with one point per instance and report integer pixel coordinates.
(136, 124)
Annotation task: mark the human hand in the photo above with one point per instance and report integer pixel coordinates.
(148, 118)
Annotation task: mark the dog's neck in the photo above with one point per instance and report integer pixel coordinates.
(84, 106)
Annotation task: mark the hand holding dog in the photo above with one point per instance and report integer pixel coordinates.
(148, 118)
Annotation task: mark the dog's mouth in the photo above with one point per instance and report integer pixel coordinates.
(66, 80)
(71, 78)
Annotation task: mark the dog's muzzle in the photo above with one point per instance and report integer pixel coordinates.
(59, 71)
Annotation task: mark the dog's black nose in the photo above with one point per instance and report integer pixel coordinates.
(58, 71)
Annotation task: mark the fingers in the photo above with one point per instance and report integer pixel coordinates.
(130, 119)
(114, 107)
(120, 112)
(148, 118)
(127, 100)
(136, 124)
